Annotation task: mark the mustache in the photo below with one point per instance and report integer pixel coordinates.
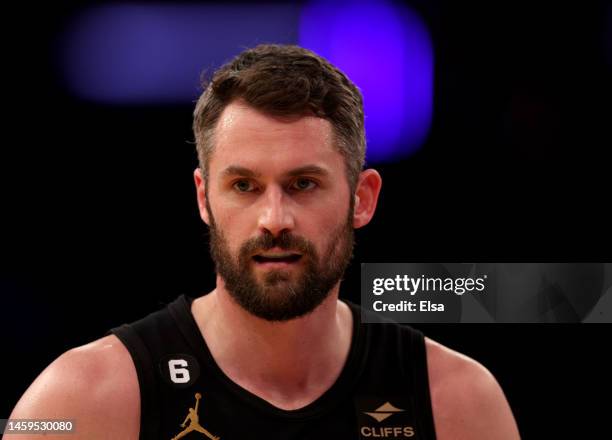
(285, 240)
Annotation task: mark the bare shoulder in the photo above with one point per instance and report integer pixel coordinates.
(467, 401)
(95, 385)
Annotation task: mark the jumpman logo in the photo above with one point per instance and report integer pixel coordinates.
(194, 424)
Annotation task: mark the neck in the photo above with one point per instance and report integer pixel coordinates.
(280, 361)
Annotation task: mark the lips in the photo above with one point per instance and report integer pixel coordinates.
(277, 257)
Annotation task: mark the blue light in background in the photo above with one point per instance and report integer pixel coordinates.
(137, 53)
(387, 51)
(154, 53)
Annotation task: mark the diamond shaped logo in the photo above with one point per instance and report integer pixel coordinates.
(383, 412)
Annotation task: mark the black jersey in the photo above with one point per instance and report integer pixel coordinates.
(381, 393)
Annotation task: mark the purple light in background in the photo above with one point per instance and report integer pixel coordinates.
(151, 54)
(387, 51)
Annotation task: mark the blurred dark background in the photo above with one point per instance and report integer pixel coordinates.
(100, 223)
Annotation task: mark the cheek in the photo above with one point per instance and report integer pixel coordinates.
(231, 227)
(328, 228)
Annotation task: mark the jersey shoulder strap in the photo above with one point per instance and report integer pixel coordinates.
(146, 340)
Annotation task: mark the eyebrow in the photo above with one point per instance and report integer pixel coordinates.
(309, 169)
(237, 170)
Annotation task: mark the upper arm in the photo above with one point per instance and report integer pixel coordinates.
(95, 386)
(467, 401)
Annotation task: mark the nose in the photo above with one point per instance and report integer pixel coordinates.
(275, 213)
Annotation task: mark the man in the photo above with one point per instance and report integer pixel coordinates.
(271, 351)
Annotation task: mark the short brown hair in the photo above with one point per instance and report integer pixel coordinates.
(285, 80)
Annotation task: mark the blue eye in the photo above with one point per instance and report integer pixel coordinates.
(243, 186)
(303, 184)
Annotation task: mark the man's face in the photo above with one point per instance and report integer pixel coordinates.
(279, 211)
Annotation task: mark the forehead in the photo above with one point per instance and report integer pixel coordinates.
(249, 138)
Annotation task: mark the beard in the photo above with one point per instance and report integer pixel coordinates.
(282, 295)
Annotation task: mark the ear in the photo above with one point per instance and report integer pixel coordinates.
(200, 184)
(366, 197)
